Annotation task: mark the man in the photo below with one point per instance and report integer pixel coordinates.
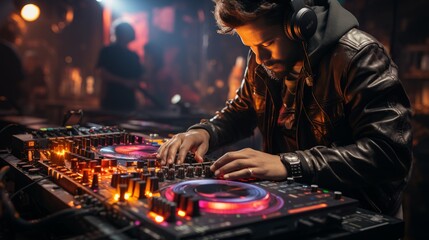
(119, 70)
(328, 103)
(11, 69)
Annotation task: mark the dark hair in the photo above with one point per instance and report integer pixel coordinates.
(123, 29)
(230, 14)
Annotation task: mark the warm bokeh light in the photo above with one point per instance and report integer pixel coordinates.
(30, 12)
(157, 218)
(181, 213)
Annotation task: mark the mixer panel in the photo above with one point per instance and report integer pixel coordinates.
(116, 173)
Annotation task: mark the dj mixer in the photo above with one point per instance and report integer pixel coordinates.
(114, 176)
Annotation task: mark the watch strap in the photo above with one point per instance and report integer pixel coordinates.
(292, 164)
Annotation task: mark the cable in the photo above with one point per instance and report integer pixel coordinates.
(309, 80)
(8, 126)
(29, 185)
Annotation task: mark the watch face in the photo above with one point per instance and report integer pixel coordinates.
(292, 159)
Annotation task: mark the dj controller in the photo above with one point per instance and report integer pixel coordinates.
(112, 177)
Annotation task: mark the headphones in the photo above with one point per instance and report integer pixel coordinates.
(301, 23)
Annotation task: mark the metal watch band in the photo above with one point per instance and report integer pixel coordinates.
(292, 164)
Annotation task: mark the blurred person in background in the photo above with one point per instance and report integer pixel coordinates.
(11, 69)
(120, 70)
(34, 86)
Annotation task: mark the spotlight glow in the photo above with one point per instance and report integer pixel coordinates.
(30, 12)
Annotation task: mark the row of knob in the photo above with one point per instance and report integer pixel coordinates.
(71, 131)
(186, 205)
(84, 142)
(135, 186)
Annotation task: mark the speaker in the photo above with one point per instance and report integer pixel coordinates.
(301, 23)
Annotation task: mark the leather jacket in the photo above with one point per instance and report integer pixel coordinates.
(352, 126)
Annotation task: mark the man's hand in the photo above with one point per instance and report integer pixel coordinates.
(249, 163)
(195, 140)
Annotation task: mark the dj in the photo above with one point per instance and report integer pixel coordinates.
(325, 96)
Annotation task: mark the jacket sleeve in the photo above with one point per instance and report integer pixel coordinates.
(236, 120)
(378, 112)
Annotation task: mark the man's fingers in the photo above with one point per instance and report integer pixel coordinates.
(242, 173)
(225, 159)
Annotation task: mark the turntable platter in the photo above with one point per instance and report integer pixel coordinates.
(128, 152)
(227, 197)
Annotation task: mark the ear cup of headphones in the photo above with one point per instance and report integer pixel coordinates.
(301, 23)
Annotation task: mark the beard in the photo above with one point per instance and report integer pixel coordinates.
(276, 75)
(272, 74)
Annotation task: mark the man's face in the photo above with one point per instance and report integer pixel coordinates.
(272, 48)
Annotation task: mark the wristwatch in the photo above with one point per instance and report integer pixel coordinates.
(292, 164)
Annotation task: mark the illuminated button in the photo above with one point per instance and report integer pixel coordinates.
(97, 169)
(139, 189)
(85, 175)
(82, 165)
(314, 188)
(183, 204)
(125, 179)
(113, 163)
(122, 191)
(94, 184)
(153, 184)
(115, 180)
(290, 180)
(338, 195)
(92, 164)
(145, 176)
(193, 207)
(105, 163)
(177, 198)
(171, 212)
(132, 185)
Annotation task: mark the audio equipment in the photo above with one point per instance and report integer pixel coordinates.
(111, 177)
(301, 23)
